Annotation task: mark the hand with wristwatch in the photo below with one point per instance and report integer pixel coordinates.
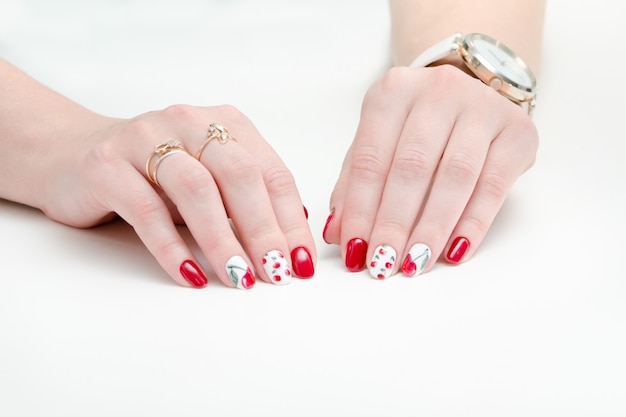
(434, 156)
(490, 61)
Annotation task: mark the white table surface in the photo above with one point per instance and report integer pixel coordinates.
(534, 325)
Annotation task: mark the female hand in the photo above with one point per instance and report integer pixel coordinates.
(238, 178)
(434, 156)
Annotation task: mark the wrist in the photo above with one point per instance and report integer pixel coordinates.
(487, 59)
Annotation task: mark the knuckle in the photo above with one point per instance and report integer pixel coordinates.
(461, 167)
(526, 138)
(392, 227)
(262, 233)
(180, 112)
(479, 224)
(530, 136)
(451, 75)
(215, 241)
(495, 184)
(241, 168)
(412, 163)
(102, 162)
(146, 207)
(279, 180)
(165, 246)
(367, 163)
(193, 182)
(138, 128)
(394, 80)
(232, 115)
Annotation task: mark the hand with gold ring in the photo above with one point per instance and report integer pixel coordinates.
(201, 166)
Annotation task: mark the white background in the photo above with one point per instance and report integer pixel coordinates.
(534, 325)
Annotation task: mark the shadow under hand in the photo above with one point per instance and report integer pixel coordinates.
(113, 247)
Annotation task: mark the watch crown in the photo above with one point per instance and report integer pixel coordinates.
(495, 83)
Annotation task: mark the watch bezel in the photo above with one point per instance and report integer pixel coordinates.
(481, 66)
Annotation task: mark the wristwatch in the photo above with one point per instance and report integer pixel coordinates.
(491, 62)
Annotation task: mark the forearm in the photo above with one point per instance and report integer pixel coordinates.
(37, 126)
(419, 24)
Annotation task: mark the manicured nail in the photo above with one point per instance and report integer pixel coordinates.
(382, 262)
(458, 249)
(306, 212)
(192, 274)
(416, 259)
(302, 263)
(356, 251)
(330, 218)
(277, 268)
(240, 273)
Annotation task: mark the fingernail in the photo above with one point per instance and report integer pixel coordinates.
(240, 273)
(192, 274)
(458, 249)
(306, 212)
(416, 259)
(302, 263)
(277, 268)
(382, 262)
(330, 218)
(356, 251)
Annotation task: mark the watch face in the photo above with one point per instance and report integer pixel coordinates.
(500, 60)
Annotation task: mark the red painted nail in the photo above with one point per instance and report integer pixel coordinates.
(306, 212)
(458, 249)
(330, 218)
(301, 262)
(356, 251)
(192, 274)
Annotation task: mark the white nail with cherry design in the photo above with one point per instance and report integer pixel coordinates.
(382, 262)
(276, 267)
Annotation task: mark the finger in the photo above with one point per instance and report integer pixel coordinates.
(241, 185)
(454, 182)
(286, 204)
(140, 205)
(187, 185)
(191, 188)
(189, 125)
(420, 147)
(384, 112)
(512, 153)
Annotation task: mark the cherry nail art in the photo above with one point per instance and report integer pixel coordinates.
(330, 218)
(277, 268)
(382, 262)
(302, 263)
(356, 251)
(306, 212)
(192, 274)
(416, 260)
(240, 273)
(458, 249)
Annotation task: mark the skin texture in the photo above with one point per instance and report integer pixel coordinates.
(82, 169)
(427, 165)
(436, 151)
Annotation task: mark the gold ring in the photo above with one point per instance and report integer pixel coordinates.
(159, 154)
(216, 131)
